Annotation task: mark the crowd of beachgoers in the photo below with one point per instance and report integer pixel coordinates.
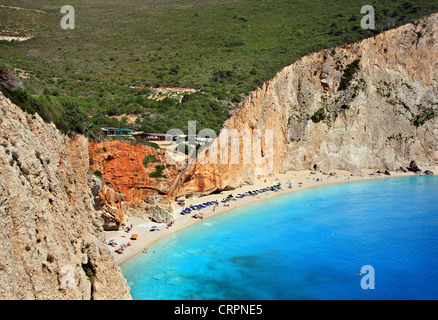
(195, 210)
(225, 201)
(123, 246)
(190, 210)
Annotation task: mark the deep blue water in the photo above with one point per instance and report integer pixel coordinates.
(309, 244)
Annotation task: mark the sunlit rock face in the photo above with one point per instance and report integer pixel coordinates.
(51, 237)
(372, 104)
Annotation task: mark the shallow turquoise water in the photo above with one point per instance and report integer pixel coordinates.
(304, 245)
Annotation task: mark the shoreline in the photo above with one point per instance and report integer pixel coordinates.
(307, 177)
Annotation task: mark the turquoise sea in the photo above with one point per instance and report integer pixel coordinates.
(309, 244)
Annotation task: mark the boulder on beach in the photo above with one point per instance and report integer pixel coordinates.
(413, 167)
(428, 173)
(160, 215)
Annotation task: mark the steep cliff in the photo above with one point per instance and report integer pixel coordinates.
(371, 104)
(51, 238)
(136, 179)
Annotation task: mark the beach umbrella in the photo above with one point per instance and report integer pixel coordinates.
(134, 236)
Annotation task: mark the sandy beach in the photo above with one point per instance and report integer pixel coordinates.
(300, 180)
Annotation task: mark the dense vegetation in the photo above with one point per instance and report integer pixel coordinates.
(65, 112)
(424, 114)
(224, 48)
(89, 114)
(348, 75)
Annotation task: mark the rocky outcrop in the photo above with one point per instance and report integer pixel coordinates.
(160, 215)
(413, 166)
(372, 104)
(51, 238)
(127, 187)
(109, 203)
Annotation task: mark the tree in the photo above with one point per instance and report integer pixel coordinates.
(73, 119)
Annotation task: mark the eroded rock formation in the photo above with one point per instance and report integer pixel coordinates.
(127, 187)
(51, 238)
(371, 104)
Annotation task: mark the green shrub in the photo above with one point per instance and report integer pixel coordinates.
(318, 116)
(348, 75)
(424, 115)
(15, 155)
(158, 173)
(89, 272)
(50, 258)
(97, 173)
(149, 159)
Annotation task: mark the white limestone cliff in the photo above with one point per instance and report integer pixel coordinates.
(51, 239)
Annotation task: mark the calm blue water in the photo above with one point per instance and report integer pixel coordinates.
(305, 245)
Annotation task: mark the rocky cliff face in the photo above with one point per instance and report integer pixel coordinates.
(372, 104)
(127, 186)
(51, 239)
